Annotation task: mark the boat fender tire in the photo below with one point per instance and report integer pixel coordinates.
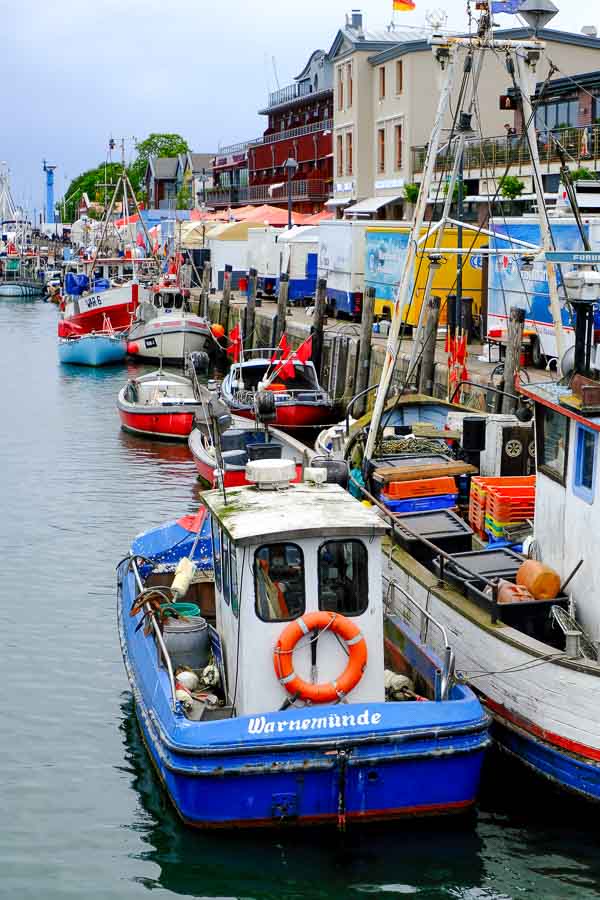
(264, 406)
(328, 692)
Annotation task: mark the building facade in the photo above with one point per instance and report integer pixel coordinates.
(385, 104)
(300, 123)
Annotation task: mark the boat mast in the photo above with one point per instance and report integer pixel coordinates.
(526, 82)
(527, 54)
(445, 57)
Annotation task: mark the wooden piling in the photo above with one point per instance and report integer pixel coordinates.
(427, 350)
(282, 301)
(364, 352)
(226, 298)
(318, 324)
(512, 360)
(205, 292)
(250, 310)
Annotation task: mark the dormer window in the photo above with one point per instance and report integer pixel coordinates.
(343, 577)
(279, 582)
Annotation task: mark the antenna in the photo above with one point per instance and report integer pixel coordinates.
(275, 73)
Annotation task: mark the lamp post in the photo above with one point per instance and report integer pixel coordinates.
(291, 166)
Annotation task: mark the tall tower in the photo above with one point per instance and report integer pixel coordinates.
(49, 170)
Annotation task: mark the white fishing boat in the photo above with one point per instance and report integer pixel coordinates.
(165, 328)
(526, 625)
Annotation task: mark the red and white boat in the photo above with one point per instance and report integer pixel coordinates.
(240, 444)
(113, 296)
(165, 329)
(300, 401)
(159, 405)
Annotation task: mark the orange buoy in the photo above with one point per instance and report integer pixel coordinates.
(217, 330)
(542, 582)
(332, 691)
(132, 348)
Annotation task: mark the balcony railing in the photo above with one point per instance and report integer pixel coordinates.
(323, 125)
(314, 190)
(581, 144)
(289, 93)
(235, 148)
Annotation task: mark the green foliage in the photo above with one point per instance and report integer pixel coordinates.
(454, 192)
(184, 197)
(583, 174)
(411, 192)
(511, 187)
(91, 183)
(155, 145)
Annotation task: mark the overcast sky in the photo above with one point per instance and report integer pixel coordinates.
(75, 72)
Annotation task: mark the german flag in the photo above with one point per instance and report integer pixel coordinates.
(403, 5)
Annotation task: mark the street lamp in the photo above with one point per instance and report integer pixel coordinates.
(291, 167)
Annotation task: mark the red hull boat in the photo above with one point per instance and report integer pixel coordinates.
(159, 405)
(239, 444)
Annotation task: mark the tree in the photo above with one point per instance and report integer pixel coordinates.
(93, 184)
(184, 197)
(511, 187)
(155, 145)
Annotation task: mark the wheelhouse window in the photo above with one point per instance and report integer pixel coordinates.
(584, 474)
(216, 541)
(235, 597)
(552, 431)
(343, 577)
(225, 573)
(279, 582)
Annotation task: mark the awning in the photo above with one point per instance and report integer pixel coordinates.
(335, 203)
(371, 205)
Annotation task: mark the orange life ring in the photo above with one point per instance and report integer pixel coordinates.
(328, 692)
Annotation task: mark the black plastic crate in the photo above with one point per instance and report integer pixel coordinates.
(441, 527)
(490, 564)
(264, 451)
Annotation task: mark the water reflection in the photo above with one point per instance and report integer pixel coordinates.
(430, 858)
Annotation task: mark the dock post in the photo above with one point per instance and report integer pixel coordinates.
(282, 301)
(364, 352)
(318, 323)
(205, 294)
(514, 340)
(250, 309)
(427, 351)
(226, 298)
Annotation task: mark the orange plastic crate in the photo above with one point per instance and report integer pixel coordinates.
(428, 487)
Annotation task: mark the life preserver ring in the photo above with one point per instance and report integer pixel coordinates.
(327, 692)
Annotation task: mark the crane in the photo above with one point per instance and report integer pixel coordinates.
(49, 170)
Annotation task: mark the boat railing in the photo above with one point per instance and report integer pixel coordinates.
(157, 633)
(445, 677)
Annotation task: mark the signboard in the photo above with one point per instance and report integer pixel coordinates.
(583, 257)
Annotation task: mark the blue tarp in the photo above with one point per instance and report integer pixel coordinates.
(75, 285)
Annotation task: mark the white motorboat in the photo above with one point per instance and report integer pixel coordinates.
(164, 328)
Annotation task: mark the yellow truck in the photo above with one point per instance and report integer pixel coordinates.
(385, 254)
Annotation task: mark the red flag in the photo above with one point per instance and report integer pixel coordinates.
(287, 369)
(304, 352)
(282, 348)
(235, 347)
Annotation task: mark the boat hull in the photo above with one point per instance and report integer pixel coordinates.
(171, 343)
(544, 710)
(294, 415)
(91, 312)
(16, 290)
(92, 350)
(168, 425)
(319, 765)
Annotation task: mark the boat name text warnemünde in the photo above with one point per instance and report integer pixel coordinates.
(260, 725)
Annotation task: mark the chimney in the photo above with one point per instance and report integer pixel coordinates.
(357, 20)
(590, 31)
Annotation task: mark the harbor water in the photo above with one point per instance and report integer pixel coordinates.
(82, 815)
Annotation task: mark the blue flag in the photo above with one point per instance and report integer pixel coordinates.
(506, 6)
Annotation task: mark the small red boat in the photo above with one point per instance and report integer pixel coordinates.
(159, 405)
(240, 444)
(300, 401)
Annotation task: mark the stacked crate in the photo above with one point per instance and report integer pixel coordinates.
(422, 495)
(498, 503)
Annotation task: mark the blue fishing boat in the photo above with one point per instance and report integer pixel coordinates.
(93, 349)
(287, 690)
